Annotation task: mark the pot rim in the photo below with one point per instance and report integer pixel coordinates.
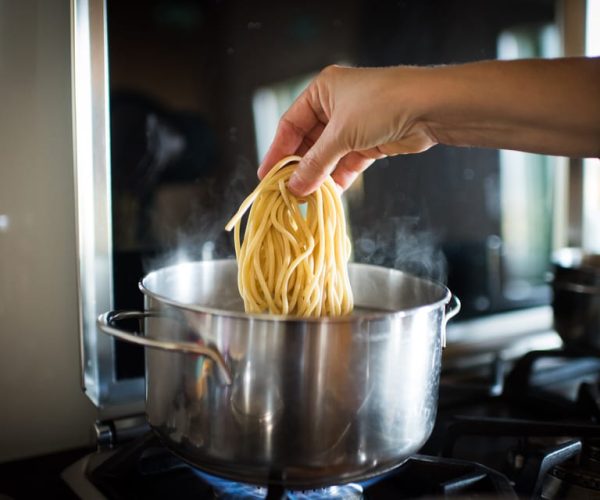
(352, 318)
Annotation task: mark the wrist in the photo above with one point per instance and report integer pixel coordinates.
(444, 104)
(419, 95)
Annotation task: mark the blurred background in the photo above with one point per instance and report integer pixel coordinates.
(196, 91)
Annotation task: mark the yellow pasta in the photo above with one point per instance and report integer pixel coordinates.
(288, 263)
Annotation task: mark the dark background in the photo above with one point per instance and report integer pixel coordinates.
(183, 146)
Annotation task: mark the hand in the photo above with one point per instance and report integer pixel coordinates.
(346, 119)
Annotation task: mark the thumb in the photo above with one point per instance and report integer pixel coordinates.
(318, 162)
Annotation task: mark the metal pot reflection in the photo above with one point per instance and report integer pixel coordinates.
(300, 402)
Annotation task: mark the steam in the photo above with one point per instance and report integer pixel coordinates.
(201, 235)
(397, 242)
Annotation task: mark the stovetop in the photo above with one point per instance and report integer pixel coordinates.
(507, 430)
(534, 420)
(146, 469)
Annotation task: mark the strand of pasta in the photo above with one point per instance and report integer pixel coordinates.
(288, 263)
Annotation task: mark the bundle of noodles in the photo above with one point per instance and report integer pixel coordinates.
(289, 263)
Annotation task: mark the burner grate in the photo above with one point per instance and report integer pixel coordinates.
(532, 459)
(555, 385)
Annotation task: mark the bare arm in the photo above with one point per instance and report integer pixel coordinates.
(349, 117)
(542, 106)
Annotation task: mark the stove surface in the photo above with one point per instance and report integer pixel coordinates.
(524, 429)
(145, 469)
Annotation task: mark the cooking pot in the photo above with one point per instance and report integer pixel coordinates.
(576, 302)
(285, 400)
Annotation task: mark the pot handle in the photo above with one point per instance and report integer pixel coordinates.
(106, 324)
(452, 308)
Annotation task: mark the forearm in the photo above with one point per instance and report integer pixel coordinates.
(543, 106)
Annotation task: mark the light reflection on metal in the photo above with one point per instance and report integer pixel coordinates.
(93, 211)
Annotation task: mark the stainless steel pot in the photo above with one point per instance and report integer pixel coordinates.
(576, 302)
(300, 402)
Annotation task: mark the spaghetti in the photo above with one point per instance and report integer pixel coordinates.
(287, 263)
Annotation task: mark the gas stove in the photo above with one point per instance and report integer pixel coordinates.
(538, 424)
(524, 428)
(146, 469)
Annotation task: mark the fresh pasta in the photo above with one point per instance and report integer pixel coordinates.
(289, 263)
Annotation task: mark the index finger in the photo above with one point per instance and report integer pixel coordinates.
(294, 126)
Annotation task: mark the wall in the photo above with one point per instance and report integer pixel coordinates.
(42, 407)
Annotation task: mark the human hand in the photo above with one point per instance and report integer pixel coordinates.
(346, 119)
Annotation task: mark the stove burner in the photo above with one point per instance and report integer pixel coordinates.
(146, 469)
(231, 490)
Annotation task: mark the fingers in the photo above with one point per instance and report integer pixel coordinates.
(309, 141)
(297, 122)
(308, 129)
(286, 141)
(349, 168)
(318, 162)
